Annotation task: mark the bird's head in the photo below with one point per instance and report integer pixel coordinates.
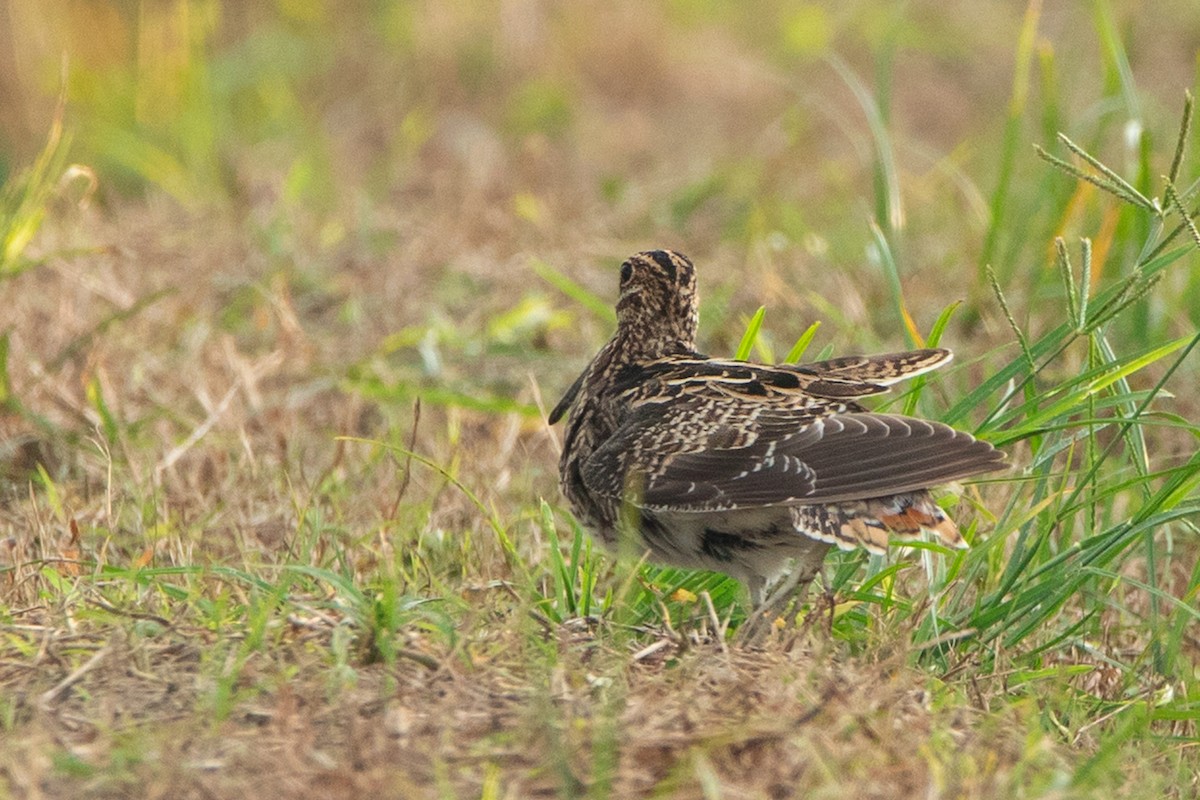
(658, 298)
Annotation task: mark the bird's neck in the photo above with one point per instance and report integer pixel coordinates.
(650, 339)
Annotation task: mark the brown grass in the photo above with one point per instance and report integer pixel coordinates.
(225, 341)
(768, 723)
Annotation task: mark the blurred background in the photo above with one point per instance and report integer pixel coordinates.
(524, 125)
(430, 199)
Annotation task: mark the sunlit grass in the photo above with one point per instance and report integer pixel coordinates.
(277, 500)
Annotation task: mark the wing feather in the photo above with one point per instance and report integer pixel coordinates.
(667, 457)
(884, 369)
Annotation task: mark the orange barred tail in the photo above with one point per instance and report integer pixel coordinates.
(870, 524)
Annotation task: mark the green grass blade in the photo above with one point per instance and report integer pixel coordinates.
(572, 289)
(801, 346)
(1026, 40)
(751, 334)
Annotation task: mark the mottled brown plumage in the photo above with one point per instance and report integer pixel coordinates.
(740, 467)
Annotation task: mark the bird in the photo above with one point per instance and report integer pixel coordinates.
(753, 470)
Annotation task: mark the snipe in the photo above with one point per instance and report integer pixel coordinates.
(746, 468)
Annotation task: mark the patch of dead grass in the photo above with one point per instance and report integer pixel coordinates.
(762, 723)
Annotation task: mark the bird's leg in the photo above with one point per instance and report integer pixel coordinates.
(793, 586)
(791, 590)
(757, 585)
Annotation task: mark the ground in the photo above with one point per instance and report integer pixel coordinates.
(286, 303)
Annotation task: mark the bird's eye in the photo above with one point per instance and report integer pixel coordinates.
(626, 273)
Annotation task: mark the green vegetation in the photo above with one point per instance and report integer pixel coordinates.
(288, 287)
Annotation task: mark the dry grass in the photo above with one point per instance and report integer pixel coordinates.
(209, 591)
(766, 724)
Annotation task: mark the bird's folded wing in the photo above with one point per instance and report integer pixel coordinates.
(884, 369)
(681, 457)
